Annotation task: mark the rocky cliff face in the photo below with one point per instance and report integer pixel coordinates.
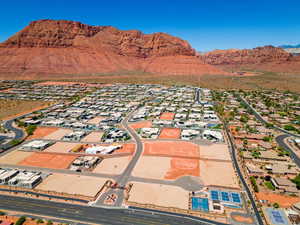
(67, 47)
(257, 55)
(62, 34)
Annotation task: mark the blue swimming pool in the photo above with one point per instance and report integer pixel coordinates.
(200, 204)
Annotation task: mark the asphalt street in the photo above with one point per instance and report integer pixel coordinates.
(124, 177)
(240, 174)
(261, 119)
(281, 142)
(96, 215)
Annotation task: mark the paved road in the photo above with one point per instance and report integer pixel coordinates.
(281, 142)
(124, 177)
(97, 215)
(197, 98)
(19, 133)
(236, 164)
(261, 119)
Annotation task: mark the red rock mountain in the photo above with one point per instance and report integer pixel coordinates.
(266, 58)
(66, 47)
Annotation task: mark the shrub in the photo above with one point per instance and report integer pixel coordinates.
(254, 184)
(21, 220)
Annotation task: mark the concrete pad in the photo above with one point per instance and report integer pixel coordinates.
(159, 195)
(72, 184)
(58, 135)
(93, 137)
(217, 173)
(61, 147)
(114, 166)
(152, 167)
(14, 157)
(215, 151)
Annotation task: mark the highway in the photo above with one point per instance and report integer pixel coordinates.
(95, 215)
(122, 180)
(239, 172)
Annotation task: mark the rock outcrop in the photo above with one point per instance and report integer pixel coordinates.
(67, 47)
(246, 56)
(267, 58)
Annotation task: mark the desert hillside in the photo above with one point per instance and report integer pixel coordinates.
(67, 47)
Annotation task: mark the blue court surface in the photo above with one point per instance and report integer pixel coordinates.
(277, 216)
(226, 196)
(200, 204)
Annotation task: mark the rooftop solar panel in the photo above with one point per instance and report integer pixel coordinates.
(236, 197)
(214, 195)
(225, 196)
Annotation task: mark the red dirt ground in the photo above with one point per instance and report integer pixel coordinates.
(243, 219)
(68, 83)
(126, 148)
(169, 148)
(170, 133)
(183, 167)
(282, 200)
(167, 116)
(52, 161)
(141, 124)
(42, 132)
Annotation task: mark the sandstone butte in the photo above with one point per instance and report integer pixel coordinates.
(267, 58)
(67, 47)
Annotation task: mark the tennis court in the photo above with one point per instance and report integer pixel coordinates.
(277, 216)
(225, 196)
(200, 204)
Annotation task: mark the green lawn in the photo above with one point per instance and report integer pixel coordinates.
(269, 185)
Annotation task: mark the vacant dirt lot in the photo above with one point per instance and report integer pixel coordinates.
(93, 137)
(159, 195)
(183, 167)
(167, 116)
(215, 151)
(13, 108)
(218, 174)
(170, 133)
(14, 157)
(58, 134)
(171, 148)
(152, 167)
(53, 161)
(72, 184)
(282, 200)
(61, 147)
(141, 124)
(126, 148)
(96, 120)
(113, 166)
(41, 132)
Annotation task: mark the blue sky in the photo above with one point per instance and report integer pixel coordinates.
(206, 24)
